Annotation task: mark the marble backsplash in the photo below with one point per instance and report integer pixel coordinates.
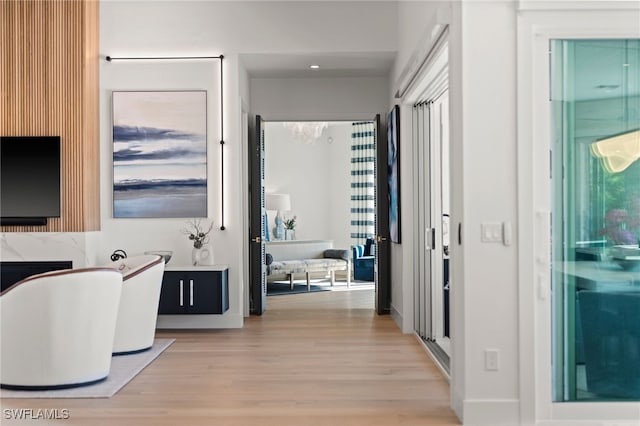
(78, 247)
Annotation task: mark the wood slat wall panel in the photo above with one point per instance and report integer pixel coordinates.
(91, 110)
(50, 86)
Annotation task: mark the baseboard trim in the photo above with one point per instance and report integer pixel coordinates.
(491, 412)
(457, 401)
(397, 317)
(213, 321)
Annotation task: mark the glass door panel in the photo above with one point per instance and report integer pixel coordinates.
(595, 174)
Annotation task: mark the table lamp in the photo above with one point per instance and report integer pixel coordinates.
(280, 203)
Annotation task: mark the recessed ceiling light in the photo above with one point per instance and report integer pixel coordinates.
(626, 65)
(314, 67)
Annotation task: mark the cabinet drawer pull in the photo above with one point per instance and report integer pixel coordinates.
(181, 293)
(190, 292)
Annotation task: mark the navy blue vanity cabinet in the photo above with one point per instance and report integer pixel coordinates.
(194, 290)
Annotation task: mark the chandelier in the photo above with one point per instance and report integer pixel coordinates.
(307, 131)
(618, 151)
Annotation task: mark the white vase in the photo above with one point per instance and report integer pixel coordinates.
(201, 256)
(289, 234)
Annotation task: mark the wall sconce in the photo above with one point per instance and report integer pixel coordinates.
(619, 151)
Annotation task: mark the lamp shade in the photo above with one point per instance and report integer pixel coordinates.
(279, 202)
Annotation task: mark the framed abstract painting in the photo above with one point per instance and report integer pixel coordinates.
(159, 154)
(393, 175)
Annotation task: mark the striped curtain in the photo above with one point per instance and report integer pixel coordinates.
(363, 162)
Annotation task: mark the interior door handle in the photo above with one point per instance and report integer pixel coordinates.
(430, 238)
(256, 239)
(380, 239)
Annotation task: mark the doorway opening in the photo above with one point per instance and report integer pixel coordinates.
(312, 189)
(318, 188)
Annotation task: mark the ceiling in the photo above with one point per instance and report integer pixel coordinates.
(359, 64)
(600, 66)
(603, 69)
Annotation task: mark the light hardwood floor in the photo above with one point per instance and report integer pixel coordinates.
(311, 359)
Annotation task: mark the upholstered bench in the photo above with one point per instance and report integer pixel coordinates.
(307, 257)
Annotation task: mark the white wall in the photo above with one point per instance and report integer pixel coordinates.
(483, 104)
(419, 22)
(303, 99)
(416, 20)
(484, 291)
(490, 268)
(340, 184)
(486, 299)
(168, 28)
(138, 235)
(182, 28)
(317, 178)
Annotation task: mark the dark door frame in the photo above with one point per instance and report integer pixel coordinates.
(256, 225)
(383, 240)
(257, 273)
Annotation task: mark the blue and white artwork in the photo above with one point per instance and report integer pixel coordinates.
(393, 175)
(160, 154)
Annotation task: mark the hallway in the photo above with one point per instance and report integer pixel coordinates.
(309, 360)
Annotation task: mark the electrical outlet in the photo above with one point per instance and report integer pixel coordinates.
(491, 359)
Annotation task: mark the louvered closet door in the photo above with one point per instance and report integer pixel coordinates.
(423, 246)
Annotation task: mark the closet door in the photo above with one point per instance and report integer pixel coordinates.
(432, 192)
(426, 238)
(440, 210)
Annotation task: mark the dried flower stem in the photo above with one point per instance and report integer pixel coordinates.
(196, 233)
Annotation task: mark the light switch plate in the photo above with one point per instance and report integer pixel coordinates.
(491, 232)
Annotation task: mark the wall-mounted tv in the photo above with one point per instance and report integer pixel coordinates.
(29, 179)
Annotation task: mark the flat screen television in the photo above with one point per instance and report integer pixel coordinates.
(29, 179)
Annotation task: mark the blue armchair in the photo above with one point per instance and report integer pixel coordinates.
(363, 261)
